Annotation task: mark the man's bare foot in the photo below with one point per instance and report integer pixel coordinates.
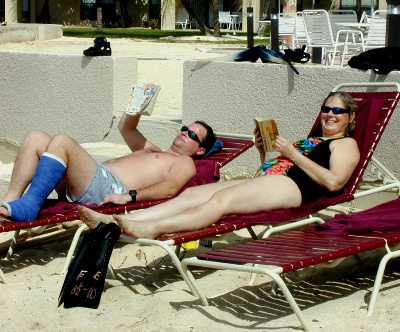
(139, 229)
(4, 219)
(4, 214)
(92, 218)
(4, 211)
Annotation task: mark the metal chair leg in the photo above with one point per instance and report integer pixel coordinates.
(72, 248)
(378, 279)
(2, 276)
(13, 243)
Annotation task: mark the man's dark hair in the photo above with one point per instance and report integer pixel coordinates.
(209, 141)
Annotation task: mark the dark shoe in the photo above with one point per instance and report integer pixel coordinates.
(101, 48)
(297, 55)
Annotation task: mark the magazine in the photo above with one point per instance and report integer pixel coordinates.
(142, 99)
(268, 131)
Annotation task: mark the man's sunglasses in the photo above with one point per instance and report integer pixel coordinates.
(335, 110)
(192, 135)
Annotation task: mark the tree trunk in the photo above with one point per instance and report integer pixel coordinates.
(215, 10)
(44, 16)
(200, 21)
(123, 6)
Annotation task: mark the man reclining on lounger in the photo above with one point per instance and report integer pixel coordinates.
(148, 173)
(305, 171)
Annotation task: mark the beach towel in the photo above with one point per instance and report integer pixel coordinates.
(384, 217)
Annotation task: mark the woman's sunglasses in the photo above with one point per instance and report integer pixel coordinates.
(192, 135)
(335, 110)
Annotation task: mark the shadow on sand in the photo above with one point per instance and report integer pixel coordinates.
(262, 303)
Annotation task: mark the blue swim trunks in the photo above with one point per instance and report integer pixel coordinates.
(104, 183)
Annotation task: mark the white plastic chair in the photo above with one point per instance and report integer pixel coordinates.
(183, 24)
(376, 32)
(320, 34)
(341, 16)
(287, 28)
(300, 35)
(292, 30)
(380, 12)
(182, 18)
(236, 19)
(234, 22)
(224, 19)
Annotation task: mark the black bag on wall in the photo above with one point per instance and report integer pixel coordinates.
(381, 60)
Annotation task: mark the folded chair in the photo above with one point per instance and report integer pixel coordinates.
(57, 212)
(375, 228)
(375, 109)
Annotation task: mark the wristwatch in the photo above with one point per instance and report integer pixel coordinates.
(133, 194)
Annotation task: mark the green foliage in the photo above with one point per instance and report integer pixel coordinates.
(140, 33)
(267, 31)
(126, 32)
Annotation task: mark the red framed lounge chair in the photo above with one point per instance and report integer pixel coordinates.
(375, 109)
(295, 250)
(207, 171)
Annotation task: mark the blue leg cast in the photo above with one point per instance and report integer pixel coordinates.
(49, 172)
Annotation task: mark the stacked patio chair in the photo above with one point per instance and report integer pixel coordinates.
(287, 25)
(300, 35)
(320, 34)
(341, 16)
(376, 32)
(292, 30)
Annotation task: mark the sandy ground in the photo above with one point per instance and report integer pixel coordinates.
(148, 294)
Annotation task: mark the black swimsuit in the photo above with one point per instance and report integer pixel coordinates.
(311, 190)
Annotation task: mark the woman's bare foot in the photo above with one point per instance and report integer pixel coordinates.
(139, 229)
(92, 218)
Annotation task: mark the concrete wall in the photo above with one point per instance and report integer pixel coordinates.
(18, 32)
(69, 94)
(229, 95)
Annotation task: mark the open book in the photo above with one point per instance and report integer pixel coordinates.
(268, 131)
(142, 99)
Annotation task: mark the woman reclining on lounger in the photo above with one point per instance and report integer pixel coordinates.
(304, 171)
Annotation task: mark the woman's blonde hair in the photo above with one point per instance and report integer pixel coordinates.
(349, 103)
